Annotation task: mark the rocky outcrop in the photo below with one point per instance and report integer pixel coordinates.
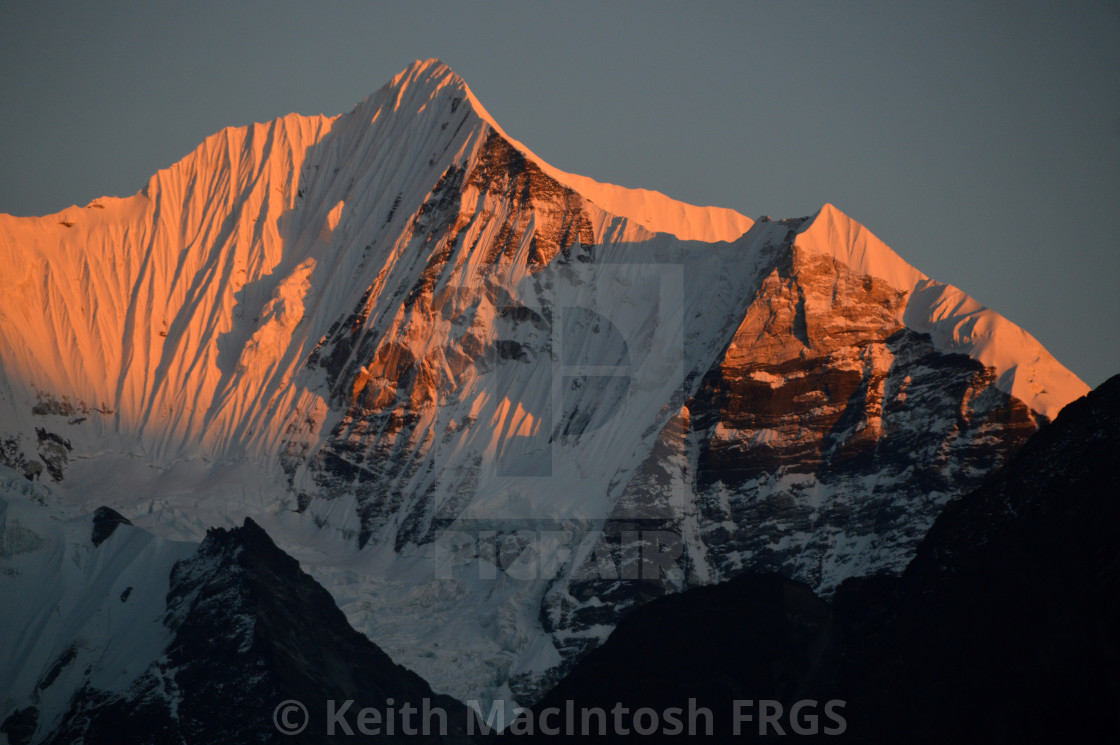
(1001, 629)
(484, 230)
(820, 446)
(248, 632)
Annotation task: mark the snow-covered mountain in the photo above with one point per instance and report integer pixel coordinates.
(112, 635)
(1001, 629)
(488, 404)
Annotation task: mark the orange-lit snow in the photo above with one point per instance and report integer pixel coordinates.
(956, 322)
(178, 324)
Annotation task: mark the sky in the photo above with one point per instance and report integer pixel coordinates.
(980, 140)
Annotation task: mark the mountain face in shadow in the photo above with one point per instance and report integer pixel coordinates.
(1004, 628)
(247, 635)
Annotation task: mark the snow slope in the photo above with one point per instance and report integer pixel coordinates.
(373, 331)
(956, 322)
(75, 612)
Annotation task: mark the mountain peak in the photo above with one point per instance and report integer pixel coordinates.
(361, 328)
(833, 233)
(956, 322)
(433, 64)
(428, 75)
(648, 210)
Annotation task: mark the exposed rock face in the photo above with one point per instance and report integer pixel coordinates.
(105, 521)
(1001, 629)
(396, 330)
(822, 445)
(241, 629)
(443, 331)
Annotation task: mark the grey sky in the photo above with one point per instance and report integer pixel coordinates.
(980, 140)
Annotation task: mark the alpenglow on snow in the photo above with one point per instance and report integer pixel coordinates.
(488, 404)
